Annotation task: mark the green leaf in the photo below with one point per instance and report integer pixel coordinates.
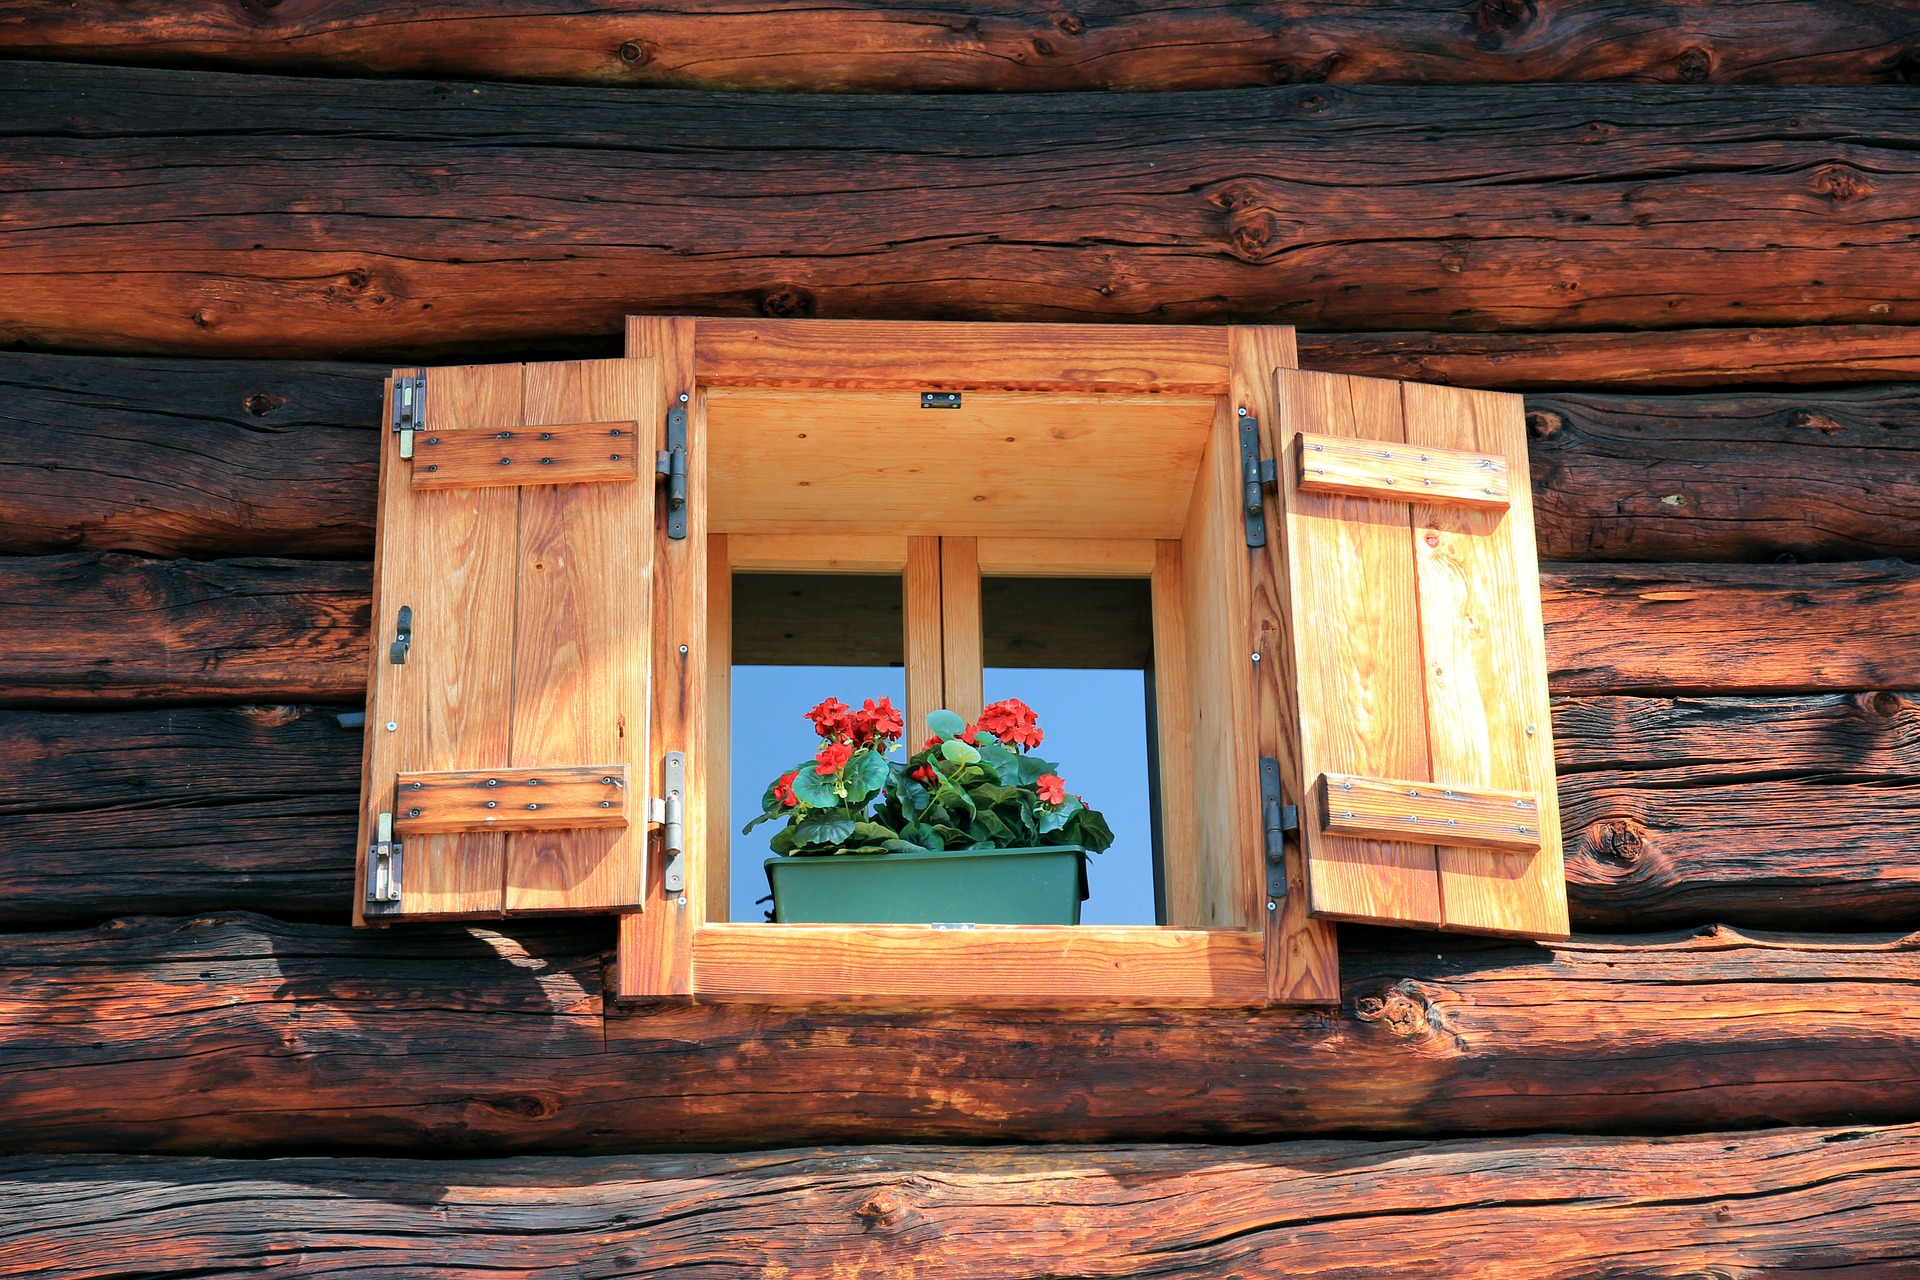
(866, 772)
(815, 789)
(924, 837)
(782, 842)
(873, 833)
(1052, 818)
(944, 724)
(958, 752)
(1090, 831)
(824, 829)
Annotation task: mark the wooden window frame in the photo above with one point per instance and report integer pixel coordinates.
(1240, 654)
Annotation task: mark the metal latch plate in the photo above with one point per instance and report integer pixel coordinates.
(673, 811)
(409, 408)
(383, 871)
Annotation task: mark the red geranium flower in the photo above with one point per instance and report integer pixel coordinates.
(874, 723)
(829, 718)
(1013, 722)
(924, 774)
(832, 756)
(1052, 788)
(932, 742)
(783, 789)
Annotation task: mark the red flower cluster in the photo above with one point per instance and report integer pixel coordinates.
(783, 789)
(1012, 721)
(831, 756)
(873, 724)
(1052, 788)
(924, 773)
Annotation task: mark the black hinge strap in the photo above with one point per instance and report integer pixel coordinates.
(671, 463)
(1256, 474)
(1276, 821)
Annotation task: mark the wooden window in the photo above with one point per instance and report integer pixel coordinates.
(1378, 654)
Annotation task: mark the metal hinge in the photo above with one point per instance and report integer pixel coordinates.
(1276, 821)
(383, 871)
(409, 408)
(1256, 474)
(671, 463)
(402, 636)
(939, 399)
(669, 811)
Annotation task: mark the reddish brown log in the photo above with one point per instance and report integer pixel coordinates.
(92, 627)
(1776, 813)
(1689, 360)
(112, 627)
(211, 458)
(191, 211)
(1732, 628)
(1832, 1201)
(231, 1035)
(973, 45)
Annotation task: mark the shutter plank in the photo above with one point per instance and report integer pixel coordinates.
(582, 639)
(556, 453)
(1357, 641)
(449, 555)
(1488, 725)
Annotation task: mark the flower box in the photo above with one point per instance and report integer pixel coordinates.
(963, 886)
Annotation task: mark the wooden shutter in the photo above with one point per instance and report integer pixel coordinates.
(507, 737)
(1424, 745)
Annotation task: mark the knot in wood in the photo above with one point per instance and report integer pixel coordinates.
(1839, 184)
(1395, 1007)
(1823, 423)
(1544, 424)
(786, 302)
(1617, 845)
(1250, 225)
(523, 1106)
(1495, 20)
(1694, 65)
(635, 53)
(1881, 705)
(882, 1210)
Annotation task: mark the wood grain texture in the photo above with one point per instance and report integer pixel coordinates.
(1764, 812)
(1835, 1201)
(1452, 477)
(512, 214)
(998, 45)
(1777, 811)
(963, 676)
(490, 1039)
(1732, 628)
(110, 628)
(925, 650)
(537, 799)
(1394, 808)
(569, 453)
(1672, 360)
(210, 458)
(1354, 613)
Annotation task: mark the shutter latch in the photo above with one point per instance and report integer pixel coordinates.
(402, 636)
(669, 810)
(1256, 474)
(1277, 820)
(409, 408)
(671, 464)
(383, 871)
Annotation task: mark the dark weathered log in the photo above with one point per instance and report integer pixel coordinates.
(244, 1035)
(211, 458)
(1833, 476)
(1776, 813)
(974, 45)
(1780, 812)
(1705, 628)
(112, 627)
(176, 811)
(281, 216)
(1682, 360)
(1835, 1201)
(88, 627)
(203, 458)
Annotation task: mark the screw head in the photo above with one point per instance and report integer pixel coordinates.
(1272, 905)
(392, 725)
(683, 397)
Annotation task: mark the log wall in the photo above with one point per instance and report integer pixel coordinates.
(218, 236)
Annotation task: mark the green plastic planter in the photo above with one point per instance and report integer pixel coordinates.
(973, 886)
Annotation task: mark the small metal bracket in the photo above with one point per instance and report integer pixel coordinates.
(383, 871)
(671, 814)
(1276, 821)
(1256, 475)
(409, 409)
(402, 636)
(939, 399)
(671, 462)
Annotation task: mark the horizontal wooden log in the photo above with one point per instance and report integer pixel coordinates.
(1827, 476)
(212, 458)
(1835, 1201)
(1674, 360)
(998, 45)
(1777, 812)
(176, 811)
(101, 628)
(195, 211)
(1708, 628)
(241, 1035)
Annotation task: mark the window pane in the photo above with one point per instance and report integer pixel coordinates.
(1080, 653)
(797, 640)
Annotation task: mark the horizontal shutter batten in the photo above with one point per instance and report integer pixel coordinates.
(1401, 473)
(512, 799)
(1428, 813)
(560, 453)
